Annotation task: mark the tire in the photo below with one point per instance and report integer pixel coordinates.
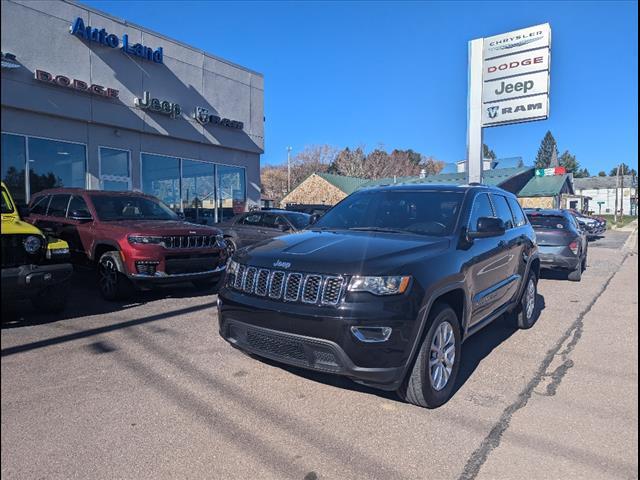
(584, 262)
(112, 283)
(423, 385)
(52, 299)
(526, 314)
(576, 275)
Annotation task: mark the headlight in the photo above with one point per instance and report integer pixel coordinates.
(232, 267)
(145, 240)
(389, 285)
(32, 244)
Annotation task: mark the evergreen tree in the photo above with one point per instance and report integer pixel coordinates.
(602, 173)
(569, 162)
(624, 170)
(487, 152)
(548, 147)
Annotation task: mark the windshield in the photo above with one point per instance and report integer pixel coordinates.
(548, 221)
(7, 205)
(421, 212)
(299, 220)
(130, 207)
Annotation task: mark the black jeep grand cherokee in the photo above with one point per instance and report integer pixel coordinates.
(385, 286)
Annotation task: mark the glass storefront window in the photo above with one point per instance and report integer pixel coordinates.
(161, 178)
(53, 163)
(13, 165)
(114, 169)
(231, 186)
(198, 192)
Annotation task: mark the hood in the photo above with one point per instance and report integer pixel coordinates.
(340, 252)
(12, 225)
(161, 227)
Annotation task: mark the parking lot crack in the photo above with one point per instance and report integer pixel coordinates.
(572, 336)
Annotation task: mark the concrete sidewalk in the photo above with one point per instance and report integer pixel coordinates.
(582, 419)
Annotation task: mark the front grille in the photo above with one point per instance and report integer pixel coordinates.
(14, 254)
(190, 241)
(283, 347)
(311, 288)
(196, 263)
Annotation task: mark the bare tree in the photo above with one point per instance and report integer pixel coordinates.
(350, 163)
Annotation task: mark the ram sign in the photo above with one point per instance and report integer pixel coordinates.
(515, 76)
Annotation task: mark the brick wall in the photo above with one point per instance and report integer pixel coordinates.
(314, 190)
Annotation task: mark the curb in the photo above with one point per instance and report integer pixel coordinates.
(631, 241)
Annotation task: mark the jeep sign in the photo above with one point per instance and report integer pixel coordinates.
(515, 111)
(513, 87)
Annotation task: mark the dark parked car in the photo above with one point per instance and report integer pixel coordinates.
(561, 241)
(385, 286)
(253, 227)
(311, 209)
(593, 227)
(132, 238)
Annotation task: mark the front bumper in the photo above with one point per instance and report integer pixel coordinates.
(28, 280)
(160, 278)
(558, 257)
(319, 338)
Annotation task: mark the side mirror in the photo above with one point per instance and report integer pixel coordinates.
(488, 227)
(80, 215)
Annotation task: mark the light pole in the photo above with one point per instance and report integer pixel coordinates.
(289, 169)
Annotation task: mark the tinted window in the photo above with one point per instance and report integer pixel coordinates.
(7, 206)
(39, 207)
(518, 215)
(131, 207)
(481, 208)
(411, 211)
(58, 206)
(502, 210)
(269, 220)
(79, 206)
(552, 222)
(252, 219)
(299, 220)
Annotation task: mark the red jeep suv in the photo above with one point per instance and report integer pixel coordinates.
(135, 240)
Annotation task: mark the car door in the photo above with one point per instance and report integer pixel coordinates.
(246, 229)
(78, 228)
(54, 219)
(513, 246)
(490, 266)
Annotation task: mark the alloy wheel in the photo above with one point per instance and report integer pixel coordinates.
(108, 276)
(442, 356)
(530, 298)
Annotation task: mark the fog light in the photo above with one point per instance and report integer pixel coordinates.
(146, 267)
(371, 334)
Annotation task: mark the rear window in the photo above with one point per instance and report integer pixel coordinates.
(552, 222)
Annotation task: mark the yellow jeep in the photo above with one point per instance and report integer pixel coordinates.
(34, 266)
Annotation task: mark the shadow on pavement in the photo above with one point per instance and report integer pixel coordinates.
(85, 300)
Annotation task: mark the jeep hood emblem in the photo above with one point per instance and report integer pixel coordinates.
(281, 264)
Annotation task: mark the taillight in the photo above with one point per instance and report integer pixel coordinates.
(574, 247)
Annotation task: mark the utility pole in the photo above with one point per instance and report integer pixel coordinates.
(615, 208)
(289, 169)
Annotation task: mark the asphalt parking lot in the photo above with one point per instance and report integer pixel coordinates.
(147, 389)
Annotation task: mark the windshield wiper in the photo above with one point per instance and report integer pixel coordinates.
(377, 229)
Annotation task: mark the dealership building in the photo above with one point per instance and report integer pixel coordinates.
(92, 101)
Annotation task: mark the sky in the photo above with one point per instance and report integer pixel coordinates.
(395, 73)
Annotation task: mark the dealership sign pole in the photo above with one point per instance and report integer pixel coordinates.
(508, 83)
